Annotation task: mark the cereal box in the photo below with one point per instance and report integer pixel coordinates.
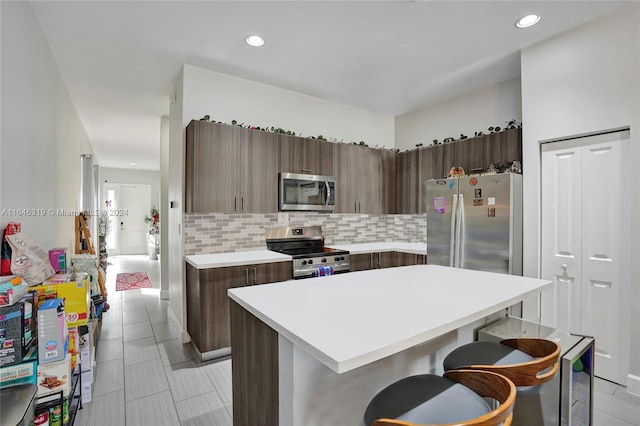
(75, 292)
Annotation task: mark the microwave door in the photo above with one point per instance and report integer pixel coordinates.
(306, 192)
(331, 195)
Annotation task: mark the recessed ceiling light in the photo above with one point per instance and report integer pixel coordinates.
(132, 164)
(527, 21)
(254, 40)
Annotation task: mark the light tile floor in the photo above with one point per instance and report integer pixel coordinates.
(146, 376)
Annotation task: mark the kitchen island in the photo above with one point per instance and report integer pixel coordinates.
(314, 352)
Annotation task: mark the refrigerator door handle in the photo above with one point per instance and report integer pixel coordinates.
(452, 233)
(460, 240)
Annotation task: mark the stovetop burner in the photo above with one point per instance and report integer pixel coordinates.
(300, 253)
(306, 247)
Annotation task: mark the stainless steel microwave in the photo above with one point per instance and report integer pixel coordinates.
(307, 192)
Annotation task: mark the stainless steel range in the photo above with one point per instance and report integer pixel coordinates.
(306, 246)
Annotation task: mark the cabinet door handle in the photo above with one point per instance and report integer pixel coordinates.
(242, 210)
(235, 204)
(247, 279)
(306, 171)
(255, 276)
(355, 207)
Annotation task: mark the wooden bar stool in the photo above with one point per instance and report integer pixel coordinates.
(455, 398)
(527, 362)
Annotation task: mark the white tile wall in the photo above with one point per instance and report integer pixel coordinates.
(220, 232)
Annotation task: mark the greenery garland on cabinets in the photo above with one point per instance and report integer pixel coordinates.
(512, 124)
(281, 131)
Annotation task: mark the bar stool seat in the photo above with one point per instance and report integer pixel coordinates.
(528, 362)
(456, 398)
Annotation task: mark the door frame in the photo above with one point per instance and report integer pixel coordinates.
(114, 250)
(625, 286)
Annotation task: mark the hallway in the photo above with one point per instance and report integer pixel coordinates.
(144, 375)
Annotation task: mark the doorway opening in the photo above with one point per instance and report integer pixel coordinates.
(126, 206)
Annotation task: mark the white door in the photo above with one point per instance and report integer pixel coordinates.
(585, 244)
(135, 201)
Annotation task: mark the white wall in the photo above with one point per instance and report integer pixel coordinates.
(473, 112)
(583, 81)
(201, 92)
(175, 167)
(42, 136)
(227, 98)
(140, 177)
(164, 206)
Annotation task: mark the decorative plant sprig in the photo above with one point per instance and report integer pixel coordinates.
(104, 223)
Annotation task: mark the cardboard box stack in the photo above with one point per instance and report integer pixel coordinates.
(45, 327)
(16, 329)
(88, 338)
(74, 289)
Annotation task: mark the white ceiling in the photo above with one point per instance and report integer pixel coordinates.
(119, 59)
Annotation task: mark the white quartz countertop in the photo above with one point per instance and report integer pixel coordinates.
(350, 320)
(238, 258)
(221, 260)
(413, 248)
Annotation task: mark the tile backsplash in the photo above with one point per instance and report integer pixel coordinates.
(221, 232)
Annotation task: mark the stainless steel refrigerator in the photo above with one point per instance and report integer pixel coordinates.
(475, 222)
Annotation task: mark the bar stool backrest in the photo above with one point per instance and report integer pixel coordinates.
(484, 383)
(540, 370)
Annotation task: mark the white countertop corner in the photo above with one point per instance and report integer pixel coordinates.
(239, 258)
(350, 320)
(413, 248)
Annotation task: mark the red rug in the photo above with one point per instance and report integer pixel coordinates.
(132, 280)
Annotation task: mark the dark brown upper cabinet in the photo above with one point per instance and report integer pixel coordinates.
(415, 167)
(303, 155)
(230, 169)
(365, 180)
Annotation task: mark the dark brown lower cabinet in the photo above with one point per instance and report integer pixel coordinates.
(384, 259)
(208, 318)
(255, 381)
(408, 259)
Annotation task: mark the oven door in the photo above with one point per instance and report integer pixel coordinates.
(307, 192)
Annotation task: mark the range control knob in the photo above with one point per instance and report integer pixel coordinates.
(304, 262)
(324, 260)
(310, 261)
